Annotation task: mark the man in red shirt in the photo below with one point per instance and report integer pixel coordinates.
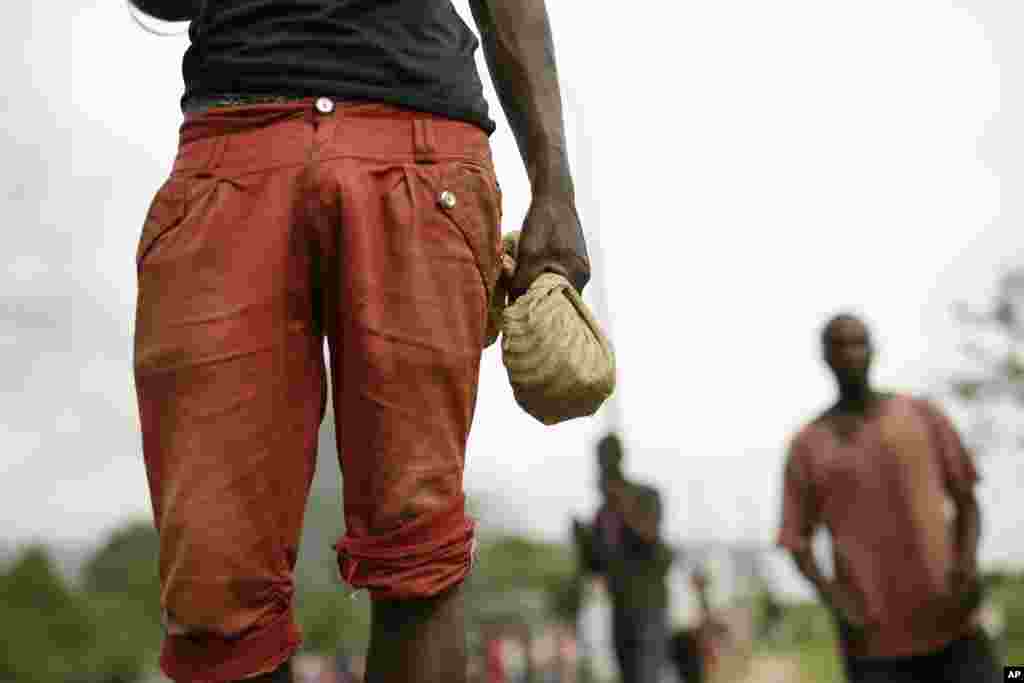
(878, 471)
(334, 181)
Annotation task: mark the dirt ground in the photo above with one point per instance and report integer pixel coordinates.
(773, 669)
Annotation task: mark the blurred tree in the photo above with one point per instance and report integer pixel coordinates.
(565, 597)
(513, 562)
(127, 567)
(47, 629)
(329, 616)
(333, 619)
(995, 347)
(517, 576)
(317, 566)
(121, 586)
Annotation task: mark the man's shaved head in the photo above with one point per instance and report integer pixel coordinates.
(609, 462)
(835, 321)
(609, 454)
(846, 346)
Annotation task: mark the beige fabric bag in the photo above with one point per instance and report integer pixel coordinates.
(560, 364)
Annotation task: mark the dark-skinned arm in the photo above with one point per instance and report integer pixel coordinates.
(800, 521)
(830, 592)
(520, 55)
(961, 476)
(965, 585)
(583, 537)
(808, 567)
(968, 531)
(168, 10)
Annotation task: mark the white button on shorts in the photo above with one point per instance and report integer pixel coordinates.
(324, 105)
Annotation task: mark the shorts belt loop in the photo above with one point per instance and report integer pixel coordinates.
(326, 126)
(424, 148)
(216, 152)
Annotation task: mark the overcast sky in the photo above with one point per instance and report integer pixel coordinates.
(748, 167)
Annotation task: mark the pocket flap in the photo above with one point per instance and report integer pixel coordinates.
(165, 212)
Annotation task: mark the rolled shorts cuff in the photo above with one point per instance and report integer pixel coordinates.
(214, 659)
(418, 560)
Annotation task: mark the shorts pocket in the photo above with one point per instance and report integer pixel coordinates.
(468, 194)
(166, 212)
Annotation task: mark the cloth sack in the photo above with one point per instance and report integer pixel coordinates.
(559, 362)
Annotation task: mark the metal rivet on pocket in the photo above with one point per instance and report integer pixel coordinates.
(324, 105)
(447, 199)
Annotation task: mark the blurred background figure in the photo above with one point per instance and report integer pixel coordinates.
(342, 661)
(684, 648)
(307, 668)
(568, 657)
(694, 651)
(880, 471)
(623, 546)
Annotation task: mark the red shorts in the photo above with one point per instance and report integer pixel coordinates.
(280, 225)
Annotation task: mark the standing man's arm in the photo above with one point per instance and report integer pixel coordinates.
(960, 477)
(800, 513)
(826, 589)
(169, 10)
(583, 537)
(968, 533)
(520, 54)
(701, 584)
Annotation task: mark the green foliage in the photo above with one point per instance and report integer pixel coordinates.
(47, 629)
(806, 633)
(127, 639)
(317, 566)
(565, 596)
(518, 563)
(820, 663)
(330, 618)
(127, 562)
(510, 564)
(994, 343)
(126, 568)
(107, 632)
(122, 586)
(1008, 593)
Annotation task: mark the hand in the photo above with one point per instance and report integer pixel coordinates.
(962, 574)
(965, 586)
(846, 607)
(551, 241)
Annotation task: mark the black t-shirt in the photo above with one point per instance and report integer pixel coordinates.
(416, 54)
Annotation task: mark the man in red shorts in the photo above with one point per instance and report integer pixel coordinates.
(333, 180)
(878, 471)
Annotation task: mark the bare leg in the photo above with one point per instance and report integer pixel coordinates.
(418, 641)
